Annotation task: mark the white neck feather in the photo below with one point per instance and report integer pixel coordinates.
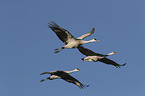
(75, 70)
(85, 42)
(112, 53)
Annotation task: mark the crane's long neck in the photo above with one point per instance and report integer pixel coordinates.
(112, 53)
(71, 71)
(85, 42)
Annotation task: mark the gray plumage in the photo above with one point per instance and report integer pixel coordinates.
(61, 74)
(69, 40)
(94, 57)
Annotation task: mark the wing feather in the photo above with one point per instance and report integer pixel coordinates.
(108, 61)
(87, 52)
(87, 34)
(111, 62)
(62, 34)
(69, 78)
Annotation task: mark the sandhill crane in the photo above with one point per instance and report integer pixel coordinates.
(65, 76)
(69, 40)
(94, 57)
(57, 77)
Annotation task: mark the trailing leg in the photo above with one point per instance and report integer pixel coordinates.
(58, 49)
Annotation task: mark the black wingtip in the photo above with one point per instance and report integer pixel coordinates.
(41, 73)
(52, 24)
(42, 80)
(83, 86)
(87, 85)
(123, 64)
(118, 66)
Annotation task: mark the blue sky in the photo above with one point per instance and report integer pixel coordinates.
(27, 47)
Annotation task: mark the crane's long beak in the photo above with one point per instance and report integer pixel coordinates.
(96, 39)
(79, 69)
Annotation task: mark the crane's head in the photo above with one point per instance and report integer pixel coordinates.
(95, 40)
(77, 69)
(112, 53)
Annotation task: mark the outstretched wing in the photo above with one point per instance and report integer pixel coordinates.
(87, 52)
(87, 34)
(70, 79)
(62, 34)
(110, 62)
(44, 73)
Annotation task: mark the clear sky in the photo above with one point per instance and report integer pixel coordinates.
(27, 47)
